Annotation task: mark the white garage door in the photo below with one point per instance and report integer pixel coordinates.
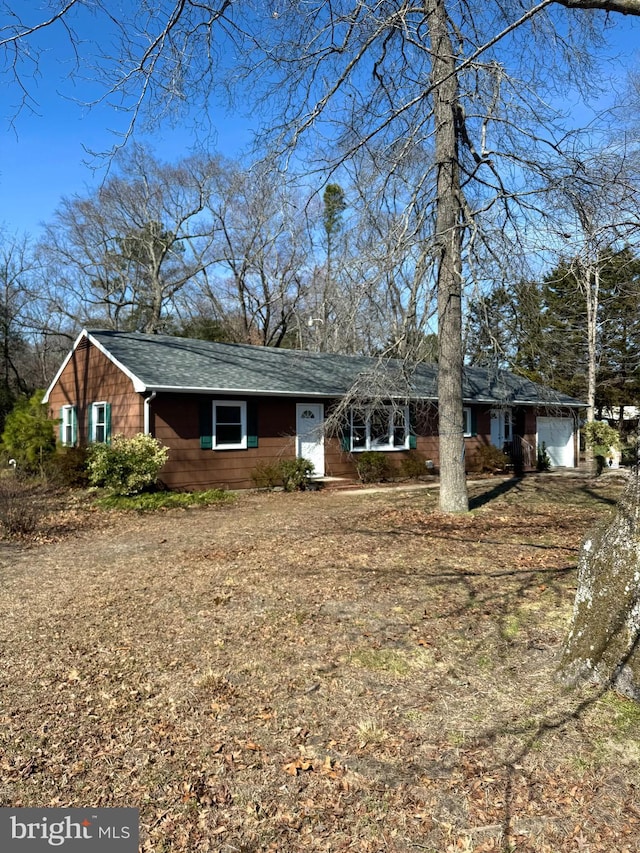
(557, 436)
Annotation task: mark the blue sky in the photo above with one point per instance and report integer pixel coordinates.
(44, 156)
(46, 151)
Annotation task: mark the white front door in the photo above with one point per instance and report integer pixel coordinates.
(557, 436)
(310, 435)
(500, 427)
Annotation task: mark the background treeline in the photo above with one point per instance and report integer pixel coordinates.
(209, 248)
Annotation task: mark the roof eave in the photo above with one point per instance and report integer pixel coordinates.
(69, 356)
(336, 393)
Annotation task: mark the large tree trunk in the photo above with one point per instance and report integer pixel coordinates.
(602, 645)
(593, 304)
(453, 486)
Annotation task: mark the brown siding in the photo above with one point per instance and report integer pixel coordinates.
(176, 422)
(90, 377)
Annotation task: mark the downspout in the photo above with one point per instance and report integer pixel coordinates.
(147, 412)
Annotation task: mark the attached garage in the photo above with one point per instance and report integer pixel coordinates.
(557, 436)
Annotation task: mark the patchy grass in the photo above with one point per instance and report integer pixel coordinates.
(318, 671)
(150, 501)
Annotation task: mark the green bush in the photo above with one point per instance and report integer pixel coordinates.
(29, 435)
(292, 474)
(372, 466)
(600, 437)
(413, 466)
(295, 474)
(127, 466)
(153, 501)
(543, 462)
(489, 459)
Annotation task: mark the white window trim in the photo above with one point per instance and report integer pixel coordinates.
(385, 448)
(466, 427)
(69, 419)
(94, 422)
(242, 445)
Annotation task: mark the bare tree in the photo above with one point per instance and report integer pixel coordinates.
(470, 80)
(391, 259)
(18, 293)
(120, 256)
(260, 256)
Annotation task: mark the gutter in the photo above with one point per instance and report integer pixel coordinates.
(147, 412)
(253, 392)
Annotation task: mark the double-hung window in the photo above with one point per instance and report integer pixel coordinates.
(380, 428)
(68, 426)
(100, 423)
(229, 425)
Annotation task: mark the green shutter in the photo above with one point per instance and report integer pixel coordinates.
(413, 438)
(107, 423)
(89, 423)
(474, 421)
(61, 429)
(345, 434)
(206, 424)
(252, 423)
(74, 426)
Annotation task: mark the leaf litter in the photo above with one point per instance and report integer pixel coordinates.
(319, 671)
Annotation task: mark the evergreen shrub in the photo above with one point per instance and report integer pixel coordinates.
(68, 467)
(292, 474)
(295, 474)
(372, 466)
(29, 436)
(600, 438)
(413, 466)
(543, 461)
(266, 476)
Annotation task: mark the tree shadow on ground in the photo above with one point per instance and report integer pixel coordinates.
(597, 496)
(497, 491)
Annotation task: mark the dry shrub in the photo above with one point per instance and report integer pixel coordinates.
(266, 476)
(292, 474)
(489, 460)
(68, 467)
(20, 509)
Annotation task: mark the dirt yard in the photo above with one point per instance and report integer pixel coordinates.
(318, 671)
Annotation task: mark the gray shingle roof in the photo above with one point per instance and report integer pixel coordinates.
(161, 362)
